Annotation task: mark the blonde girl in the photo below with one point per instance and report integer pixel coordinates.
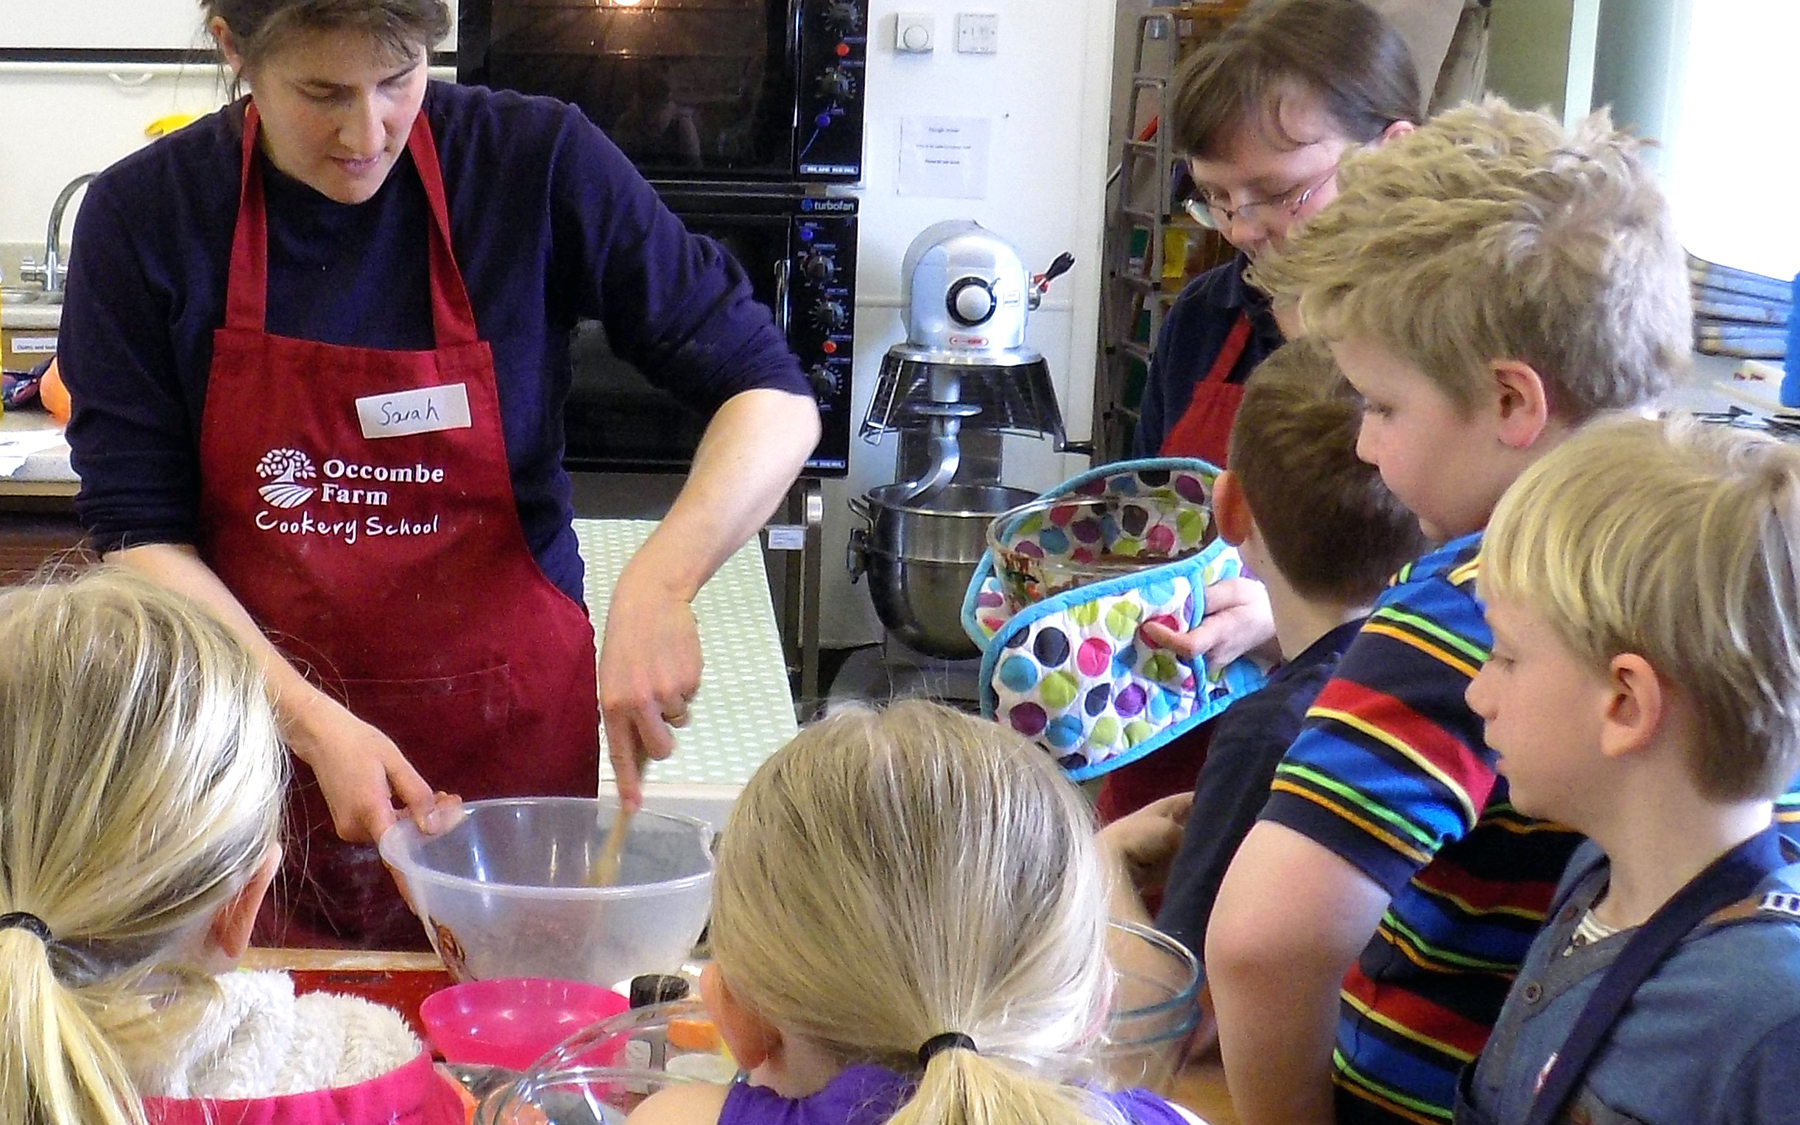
(142, 780)
(908, 925)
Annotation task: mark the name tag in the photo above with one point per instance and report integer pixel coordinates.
(423, 411)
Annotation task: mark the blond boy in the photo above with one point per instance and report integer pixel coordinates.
(1486, 284)
(1643, 584)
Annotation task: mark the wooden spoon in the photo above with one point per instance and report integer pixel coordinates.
(604, 871)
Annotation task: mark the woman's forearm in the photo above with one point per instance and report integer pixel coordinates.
(749, 457)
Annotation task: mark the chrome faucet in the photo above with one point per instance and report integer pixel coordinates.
(53, 270)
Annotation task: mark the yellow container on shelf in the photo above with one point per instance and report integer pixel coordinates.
(1175, 252)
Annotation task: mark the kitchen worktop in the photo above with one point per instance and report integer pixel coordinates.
(35, 315)
(46, 471)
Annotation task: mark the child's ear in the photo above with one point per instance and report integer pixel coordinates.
(232, 923)
(1635, 705)
(1522, 403)
(751, 1039)
(1230, 509)
(1395, 129)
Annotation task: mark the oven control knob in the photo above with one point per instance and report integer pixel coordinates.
(970, 301)
(829, 314)
(842, 18)
(824, 381)
(837, 84)
(818, 267)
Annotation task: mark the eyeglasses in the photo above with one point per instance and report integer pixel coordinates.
(1214, 215)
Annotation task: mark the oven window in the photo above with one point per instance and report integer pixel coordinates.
(615, 418)
(682, 86)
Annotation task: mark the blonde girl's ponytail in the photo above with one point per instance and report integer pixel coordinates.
(961, 1087)
(140, 788)
(919, 889)
(55, 1065)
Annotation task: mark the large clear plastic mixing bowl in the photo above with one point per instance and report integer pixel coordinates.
(508, 892)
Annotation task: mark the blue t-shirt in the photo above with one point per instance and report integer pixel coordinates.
(1248, 742)
(549, 223)
(1391, 773)
(1712, 1036)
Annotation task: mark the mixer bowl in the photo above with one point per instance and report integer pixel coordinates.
(507, 892)
(920, 558)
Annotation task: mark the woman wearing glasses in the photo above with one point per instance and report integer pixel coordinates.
(1263, 113)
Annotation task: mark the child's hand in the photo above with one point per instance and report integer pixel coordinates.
(1144, 843)
(1238, 621)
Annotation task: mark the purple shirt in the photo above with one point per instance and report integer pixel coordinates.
(869, 1095)
(549, 223)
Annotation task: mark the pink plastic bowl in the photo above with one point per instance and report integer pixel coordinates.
(512, 1021)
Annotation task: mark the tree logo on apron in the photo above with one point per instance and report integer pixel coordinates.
(287, 467)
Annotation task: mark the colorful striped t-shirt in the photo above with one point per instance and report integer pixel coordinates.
(1391, 773)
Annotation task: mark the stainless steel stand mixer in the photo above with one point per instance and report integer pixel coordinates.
(962, 379)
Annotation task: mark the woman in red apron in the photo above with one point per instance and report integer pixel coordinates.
(361, 510)
(1337, 78)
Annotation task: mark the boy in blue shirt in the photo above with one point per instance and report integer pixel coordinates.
(1324, 534)
(1643, 585)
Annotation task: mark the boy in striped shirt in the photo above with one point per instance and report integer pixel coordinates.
(1486, 284)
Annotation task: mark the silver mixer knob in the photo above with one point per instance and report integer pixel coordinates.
(970, 301)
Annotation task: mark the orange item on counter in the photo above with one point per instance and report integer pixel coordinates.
(54, 395)
(694, 1035)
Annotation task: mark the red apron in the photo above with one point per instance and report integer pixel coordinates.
(1204, 428)
(364, 515)
(1204, 431)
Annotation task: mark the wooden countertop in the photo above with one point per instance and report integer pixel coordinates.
(1201, 1087)
(338, 960)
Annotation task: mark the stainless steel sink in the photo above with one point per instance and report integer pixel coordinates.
(28, 295)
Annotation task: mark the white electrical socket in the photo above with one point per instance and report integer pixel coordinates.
(977, 33)
(915, 32)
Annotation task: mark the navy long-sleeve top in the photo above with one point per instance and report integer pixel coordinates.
(1193, 333)
(549, 223)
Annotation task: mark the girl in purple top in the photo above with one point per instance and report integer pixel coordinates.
(909, 926)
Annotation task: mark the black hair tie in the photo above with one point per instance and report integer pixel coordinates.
(945, 1041)
(25, 920)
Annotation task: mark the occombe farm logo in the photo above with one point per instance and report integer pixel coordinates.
(284, 469)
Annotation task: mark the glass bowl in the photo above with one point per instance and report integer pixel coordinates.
(581, 1082)
(1046, 546)
(1155, 1010)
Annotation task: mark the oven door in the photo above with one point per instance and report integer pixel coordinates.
(689, 89)
(615, 419)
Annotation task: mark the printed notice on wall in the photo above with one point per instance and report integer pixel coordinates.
(944, 156)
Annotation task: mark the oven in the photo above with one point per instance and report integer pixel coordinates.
(737, 91)
(800, 255)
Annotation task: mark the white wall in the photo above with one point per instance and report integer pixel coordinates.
(1046, 92)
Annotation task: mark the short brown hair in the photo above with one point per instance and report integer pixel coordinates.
(1342, 52)
(1330, 524)
(1680, 542)
(1495, 233)
(401, 27)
